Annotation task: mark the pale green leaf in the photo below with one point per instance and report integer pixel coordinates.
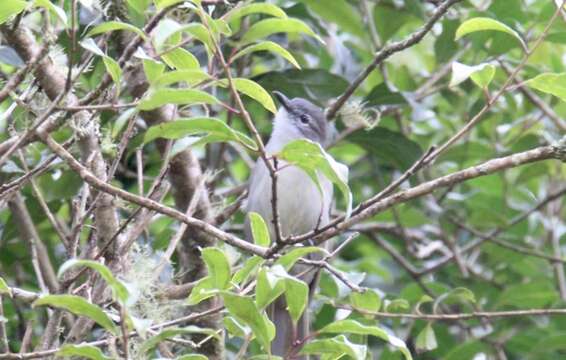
(82, 350)
(481, 74)
(245, 310)
(164, 96)
(550, 83)
(152, 69)
(253, 90)
(256, 8)
(290, 258)
(211, 128)
(4, 288)
(203, 289)
(180, 59)
(367, 300)
(54, 9)
(191, 77)
(312, 158)
(296, 296)
(153, 341)
(354, 327)
(113, 26)
(268, 46)
(426, 340)
(244, 273)
(119, 290)
(260, 232)
(484, 24)
(110, 64)
(337, 346)
(139, 5)
(78, 306)
(11, 8)
(267, 27)
(483, 77)
(268, 288)
(218, 267)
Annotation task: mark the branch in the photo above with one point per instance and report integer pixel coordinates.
(386, 52)
(92, 180)
(463, 316)
(557, 151)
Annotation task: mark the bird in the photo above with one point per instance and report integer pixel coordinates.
(301, 205)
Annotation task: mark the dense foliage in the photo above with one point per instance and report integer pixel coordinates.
(128, 129)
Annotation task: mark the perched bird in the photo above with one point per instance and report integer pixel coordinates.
(301, 206)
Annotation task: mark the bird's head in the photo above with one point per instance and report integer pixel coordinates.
(299, 118)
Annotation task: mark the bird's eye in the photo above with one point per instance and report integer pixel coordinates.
(305, 119)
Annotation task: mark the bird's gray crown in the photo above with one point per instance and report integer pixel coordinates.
(306, 117)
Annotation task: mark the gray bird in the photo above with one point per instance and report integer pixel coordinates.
(301, 205)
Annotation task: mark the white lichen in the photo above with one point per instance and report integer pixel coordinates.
(354, 114)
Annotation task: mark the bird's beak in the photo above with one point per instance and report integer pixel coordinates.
(283, 100)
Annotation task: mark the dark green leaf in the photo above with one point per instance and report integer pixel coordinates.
(316, 85)
(390, 147)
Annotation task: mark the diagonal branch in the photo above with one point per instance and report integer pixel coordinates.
(386, 52)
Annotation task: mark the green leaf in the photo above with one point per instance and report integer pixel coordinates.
(54, 9)
(483, 24)
(118, 288)
(78, 306)
(267, 27)
(260, 232)
(82, 350)
(354, 327)
(290, 258)
(191, 77)
(244, 309)
(367, 300)
(139, 5)
(11, 8)
(317, 85)
(213, 130)
(180, 59)
(337, 347)
(426, 340)
(253, 90)
(153, 341)
(296, 296)
(203, 289)
(258, 8)
(268, 288)
(4, 288)
(341, 13)
(113, 26)
(483, 77)
(192, 357)
(218, 267)
(311, 157)
(267, 46)
(481, 74)
(550, 83)
(382, 95)
(152, 69)
(110, 64)
(164, 96)
(242, 275)
(390, 147)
